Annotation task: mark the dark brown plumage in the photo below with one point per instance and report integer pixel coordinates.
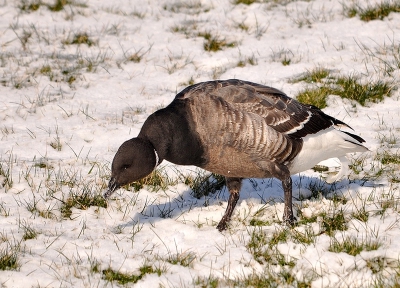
(237, 129)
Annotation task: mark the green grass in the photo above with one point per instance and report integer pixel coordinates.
(246, 2)
(372, 12)
(56, 6)
(389, 158)
(6, 172)
(81, 201)
(122, 278)
(262, 246)
(207, 282)
(9, 258)
(313, 76)
(285, 56)
(155, 181)
(192, 7)
(352, 246)
(305, 220)
(182, 259)
(205, 184)
(257, 245)
(45, 70)
(336, 222)
(258, 222)
(361, 215)
(80, 38)
(214, 43)
(249, 60)
(29, 6)
(29, 233)
(190, 82)
(329, 223)
(201, 184)
(349, 87)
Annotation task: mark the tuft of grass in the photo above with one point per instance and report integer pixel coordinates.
(249, 60)
(190, 82)
(314, 96)
(29, 233)
(378, 11)
(9, 258)
(56, 144)
(192, 7)
(155, 181)
(338, 199)
(58, 5)
(307, 237)
(4, 211)
(258, 222)
(329, 224)
(286, 61)
(278, 236)
(81, 201)
(306, 220)
(29, 6)
(183, 259)
(257, 245)
(6, 172)
(207, 282)
(389, 158)
(352, 246)
(263, 246)
(378, 264)
(242, 26)
(255, 280)
(284, 56)
(137, 56)
(349, 87)
(314, 76)
(361, 215)
(45, 70)
(245, 2)
(203, 185)
(214, 43)
(336, 222)
(122, 278)
(80, 38)
(346, 87)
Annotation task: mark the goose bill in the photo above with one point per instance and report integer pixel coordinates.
(112, 186)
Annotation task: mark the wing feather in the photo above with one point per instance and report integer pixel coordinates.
(280, 112)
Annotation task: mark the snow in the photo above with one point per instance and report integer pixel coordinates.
(59, 135)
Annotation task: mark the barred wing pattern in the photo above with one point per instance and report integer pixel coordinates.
(279, 111)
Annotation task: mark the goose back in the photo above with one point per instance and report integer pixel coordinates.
(279, 111)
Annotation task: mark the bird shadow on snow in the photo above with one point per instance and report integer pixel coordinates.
(267, 191)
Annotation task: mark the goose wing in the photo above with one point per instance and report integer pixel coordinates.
(282, 113)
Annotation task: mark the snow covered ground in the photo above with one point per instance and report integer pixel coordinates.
(79, 77)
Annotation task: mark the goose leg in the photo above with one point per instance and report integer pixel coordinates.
(287, 191)
(281, 172)
(234, 185)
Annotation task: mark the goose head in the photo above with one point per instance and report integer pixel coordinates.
(135, 159)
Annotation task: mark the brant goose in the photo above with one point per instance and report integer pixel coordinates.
(237, 129)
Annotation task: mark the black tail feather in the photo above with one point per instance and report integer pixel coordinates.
(358, 138)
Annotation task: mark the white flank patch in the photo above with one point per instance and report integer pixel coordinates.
(323, 145)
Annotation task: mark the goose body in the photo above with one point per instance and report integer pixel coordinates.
(237, 129)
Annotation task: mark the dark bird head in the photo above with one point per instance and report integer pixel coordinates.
(135, 159)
